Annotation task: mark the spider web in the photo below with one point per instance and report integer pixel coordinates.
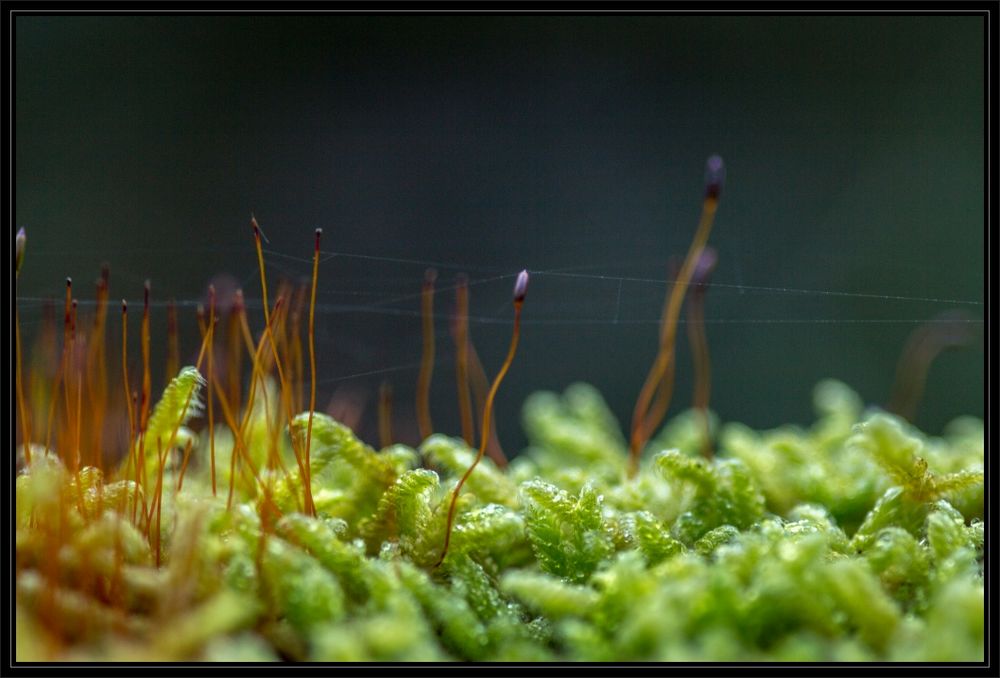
(594, 322)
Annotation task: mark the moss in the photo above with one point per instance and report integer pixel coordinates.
(856, 539)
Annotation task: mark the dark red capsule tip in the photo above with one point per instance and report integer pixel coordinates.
(715, 176)
(69, 282)
(124, 306)
(430, 275)
(521, 286)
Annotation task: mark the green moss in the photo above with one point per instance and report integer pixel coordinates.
(856, 539)
(165, 429)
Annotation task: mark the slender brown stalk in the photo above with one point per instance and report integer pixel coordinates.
(949, 329)
(260, 265)
(173, 343)
(205, 349)
(480, 387)
(96, 372)
(295, 360)
(642, 423)
(146, 382)
(301, 461)
(427, 357)
(20, 243)
(699, 346)
(128, 403)
(211, 380)
(238, 431)
(60, 372)
(22, 408)
(234, 351)
(78, 432)
(310, 507)
(461, 336)
(520, 290)
(385, 414)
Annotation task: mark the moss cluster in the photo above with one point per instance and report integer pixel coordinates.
(858, 538)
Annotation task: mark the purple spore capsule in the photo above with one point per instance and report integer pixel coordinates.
(521, 286)
(704, 266)
(715, 176)
(20, 241)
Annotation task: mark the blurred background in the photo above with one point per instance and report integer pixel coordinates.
(853, 209)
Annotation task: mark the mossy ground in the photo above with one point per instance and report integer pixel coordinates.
(858, 538)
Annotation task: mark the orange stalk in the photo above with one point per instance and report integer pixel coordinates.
(128, 399)
(259, 367)
(427, 359)
(187, 403)
(949, 329)
(520, 290)
(295, 360)
(255, 377)
(20, 246)
(79, 418)
(642, 424)
(147, 388)
(21, 405)
(234, 352)
(480, 387)
(699, 346)
(200, 315)
(260, 264)
(310, 508)
(62, 367)
(385, 414)
(71, 389)
(20, 242)
(239, 447)
(461, 336)
(211, 381)
(173, 343)
(285, 389)
(96, 371)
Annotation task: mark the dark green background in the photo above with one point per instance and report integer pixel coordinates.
(854, 146)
